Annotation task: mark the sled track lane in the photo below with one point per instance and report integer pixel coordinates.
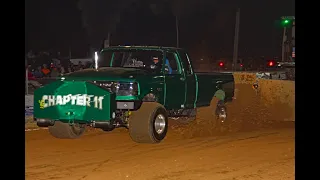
(263, 154)
(259, 145)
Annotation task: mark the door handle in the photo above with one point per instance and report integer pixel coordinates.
(182, 79)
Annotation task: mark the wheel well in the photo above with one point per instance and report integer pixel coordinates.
(150, 97)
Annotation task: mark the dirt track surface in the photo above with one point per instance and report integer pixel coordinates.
(264, 154)
(257, 146)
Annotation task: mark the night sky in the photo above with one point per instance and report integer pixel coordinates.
(206, 26)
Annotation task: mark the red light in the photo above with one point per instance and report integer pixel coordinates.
(221, 64)
(270, 63)
(241, 65)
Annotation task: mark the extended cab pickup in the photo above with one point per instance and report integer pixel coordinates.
(137, 87)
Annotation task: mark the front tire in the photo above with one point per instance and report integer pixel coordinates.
(66, 131)
(149, 124)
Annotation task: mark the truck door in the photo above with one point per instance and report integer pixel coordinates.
(191, 83)
(175, 82)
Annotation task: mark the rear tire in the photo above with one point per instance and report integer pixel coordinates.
(220, 116)
(149, 124)
(66, 131)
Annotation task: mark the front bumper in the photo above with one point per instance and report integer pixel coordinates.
(74, 101)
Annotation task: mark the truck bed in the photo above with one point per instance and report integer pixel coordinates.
(210, 82)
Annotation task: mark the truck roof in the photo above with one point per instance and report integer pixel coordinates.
(142, 47)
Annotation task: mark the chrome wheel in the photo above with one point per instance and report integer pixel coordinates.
(222, 114)
(160, 124)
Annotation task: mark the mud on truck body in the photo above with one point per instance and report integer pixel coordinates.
(136, 87)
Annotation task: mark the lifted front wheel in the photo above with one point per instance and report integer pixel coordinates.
(149, 124)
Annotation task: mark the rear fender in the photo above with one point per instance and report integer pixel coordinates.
(150, 97)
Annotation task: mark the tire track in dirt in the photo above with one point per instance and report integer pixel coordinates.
(190, 151)
(78, 162)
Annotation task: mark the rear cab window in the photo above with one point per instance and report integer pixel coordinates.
(185, 62)
(171, 64)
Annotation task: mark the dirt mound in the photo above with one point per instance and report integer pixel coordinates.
(268, 106)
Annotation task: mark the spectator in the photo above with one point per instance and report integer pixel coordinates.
(80, 65)
(38, 72)
(88, 65)
(62, 70)
(71, 68)
(54, 72)
(30, 75)
(45, 70)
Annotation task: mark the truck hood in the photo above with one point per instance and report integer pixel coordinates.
(106, 73)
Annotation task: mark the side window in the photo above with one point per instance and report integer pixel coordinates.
(185, 61)
(171, 66)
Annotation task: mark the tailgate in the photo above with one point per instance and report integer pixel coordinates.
(210, 82)
(73, 100)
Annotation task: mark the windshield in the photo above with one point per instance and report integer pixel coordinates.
(131, 58)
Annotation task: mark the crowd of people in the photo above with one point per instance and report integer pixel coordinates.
(54, 70)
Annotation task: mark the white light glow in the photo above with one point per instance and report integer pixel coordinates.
(96, 59)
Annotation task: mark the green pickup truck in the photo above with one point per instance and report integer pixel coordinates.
(136, 87)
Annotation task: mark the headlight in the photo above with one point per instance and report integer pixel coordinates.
(125, 89)
(120, 88)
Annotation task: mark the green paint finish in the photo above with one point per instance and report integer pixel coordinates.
(73, 100)
(185, 89)
(106, 74)
(152, 84)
